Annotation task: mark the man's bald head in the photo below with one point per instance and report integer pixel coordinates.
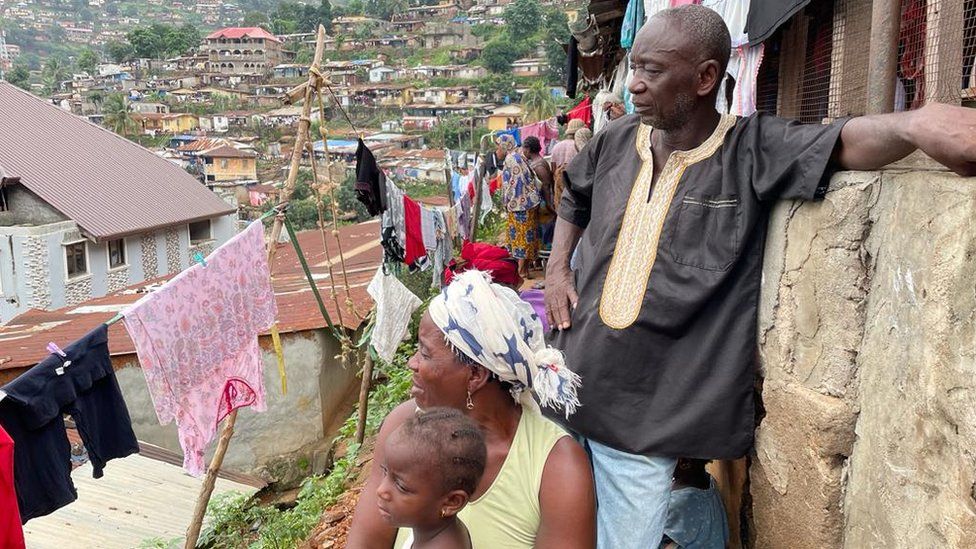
(704, 33)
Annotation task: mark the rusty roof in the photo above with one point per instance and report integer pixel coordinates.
(24, 338)
(226, 151)
(108, 185)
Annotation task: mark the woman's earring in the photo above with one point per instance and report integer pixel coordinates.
(443, 513)
(470, 404)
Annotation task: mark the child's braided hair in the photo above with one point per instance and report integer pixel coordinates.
(453, 442)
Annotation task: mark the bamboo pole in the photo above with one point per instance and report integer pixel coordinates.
(193, 531)
(364, 397)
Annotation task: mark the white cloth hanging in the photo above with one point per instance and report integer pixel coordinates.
(394, 306)
(734, 13)
(744, 95)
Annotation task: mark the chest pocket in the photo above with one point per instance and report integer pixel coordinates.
(705, 233)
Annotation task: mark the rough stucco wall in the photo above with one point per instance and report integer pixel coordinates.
(866, 338)
(273, 444)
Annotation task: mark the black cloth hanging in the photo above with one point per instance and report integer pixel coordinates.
(370, 181)
(572, 67)
(766, 16)
(33, 411)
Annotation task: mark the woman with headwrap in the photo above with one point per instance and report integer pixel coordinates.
(521, 195)
(481, 351)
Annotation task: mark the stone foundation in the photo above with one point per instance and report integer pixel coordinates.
(867, 335)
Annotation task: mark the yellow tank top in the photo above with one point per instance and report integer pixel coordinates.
(507, 515)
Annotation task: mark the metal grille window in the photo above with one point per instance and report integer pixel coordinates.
(814, 91)
(767, 82)
(76, 258)
(969, 50)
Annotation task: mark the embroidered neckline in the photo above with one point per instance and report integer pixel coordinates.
(640, 231)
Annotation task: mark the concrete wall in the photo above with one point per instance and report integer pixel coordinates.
(292, 438)
(33, 272)
(26, 208)
(867, 337)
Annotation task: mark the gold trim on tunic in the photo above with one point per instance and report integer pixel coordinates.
(640, 231)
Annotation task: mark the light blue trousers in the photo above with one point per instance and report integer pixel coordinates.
(632, 493)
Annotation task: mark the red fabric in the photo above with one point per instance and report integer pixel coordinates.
(485, 257)
(583, 111)
(414, 248)
(11, 532)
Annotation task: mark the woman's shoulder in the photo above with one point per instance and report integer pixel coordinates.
(397, 417)
(542, 432)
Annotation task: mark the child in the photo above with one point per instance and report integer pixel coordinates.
(432, 465)
(696, 515)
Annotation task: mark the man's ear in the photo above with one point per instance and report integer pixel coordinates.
(710, 75)
(453, 502)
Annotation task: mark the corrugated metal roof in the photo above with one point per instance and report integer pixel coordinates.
(105, 183)
(226, 151)
(23, 339)
(139, 498)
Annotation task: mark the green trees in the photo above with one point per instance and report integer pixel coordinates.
(384, 9)
(19, 76)
(538, 103)
(496, 86)
(498, 55)
(292, 17)
(159, 40)
(522, 19)
(120, 52)
(55, 72)
(118, 118)
(555, 34)
(87, 61)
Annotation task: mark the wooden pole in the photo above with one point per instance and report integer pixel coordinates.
(478, 182)
(364, 397)
(193, 531)
(883, 55)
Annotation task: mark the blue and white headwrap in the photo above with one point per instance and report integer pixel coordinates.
(491, 325)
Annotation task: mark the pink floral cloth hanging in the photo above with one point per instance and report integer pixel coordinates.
(197, 341)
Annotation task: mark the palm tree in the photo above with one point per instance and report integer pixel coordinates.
(96, 97)
(118, 118)
(537, 102)
(55, 72)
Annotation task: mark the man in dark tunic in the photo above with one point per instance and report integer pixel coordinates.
(674, 200)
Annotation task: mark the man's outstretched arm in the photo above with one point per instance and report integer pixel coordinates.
(944, 132)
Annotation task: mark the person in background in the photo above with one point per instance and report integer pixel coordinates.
(696, 515)
(614, 109)
(565, 150)
(503, 269)
(532, 149)
(521, 196)
(431, 466)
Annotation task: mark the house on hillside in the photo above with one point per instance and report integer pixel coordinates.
(243, 50)
(229, 172)
(505, 117)
(529, 66)
(290, 70)
(381, 74)
(92, 222)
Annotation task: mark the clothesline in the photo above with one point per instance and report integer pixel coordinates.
(264, 216)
